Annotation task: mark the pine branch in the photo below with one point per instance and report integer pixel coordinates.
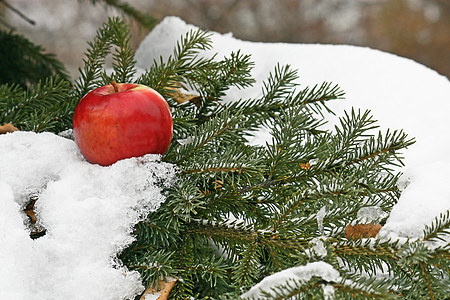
(221, 128)
(165, 77)
(319, 95)
(356, 287)
(247, 267)
(123, 58)
(438, 229)
(28, 63)
(39, 108)
(367, 256)
(155, 265)
(114, 33)
(91, 76)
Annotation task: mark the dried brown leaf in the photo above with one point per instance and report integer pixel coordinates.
(8, 127)
(164, 288)
(360, 231)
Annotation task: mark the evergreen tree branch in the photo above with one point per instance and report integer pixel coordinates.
(114, 33)
(356, 287)
(28, 63)
(366, 256)
(123, 58)
(39, 108)
(220, 128)
(438, 229)
(91, 76)
(157, 264)
(166, 76)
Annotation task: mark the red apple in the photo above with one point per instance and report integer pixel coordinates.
(122, 120)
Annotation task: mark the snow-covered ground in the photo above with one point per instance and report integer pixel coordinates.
(89, 210)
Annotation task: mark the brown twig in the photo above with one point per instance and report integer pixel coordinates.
(18, 12)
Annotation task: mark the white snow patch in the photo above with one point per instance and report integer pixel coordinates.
(89, 212)
(295, 274)
(424, 198)
(318, 248)
(154, 296)
(370, 214)
(319, 217)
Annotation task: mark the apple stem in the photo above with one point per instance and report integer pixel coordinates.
(114, 84)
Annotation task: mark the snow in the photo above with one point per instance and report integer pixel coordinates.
(370, 214)
(292, 275)
(89, 211)
(426, 196)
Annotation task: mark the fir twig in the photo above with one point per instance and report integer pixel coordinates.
(28, 63)
(438, 229)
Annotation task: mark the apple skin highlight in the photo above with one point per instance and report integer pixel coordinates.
(122, 120)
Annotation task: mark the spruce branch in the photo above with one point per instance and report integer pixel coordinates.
(247, 269)
(291, 142)
(292, 206)
(28, 63)
(154, 266)
(91, 74)
(367, 256)
(438, 229)
(189, 46)
(276, 90)
(37, 109)
(357, 287)
(212, 80)
(123, 58)
(246, 235)
(185, 199)
(319, 95)
(114, 33)
(297, 288)
(424, 279)
(165, 76)
(279, 83)
(220, 128)
(382, 148)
